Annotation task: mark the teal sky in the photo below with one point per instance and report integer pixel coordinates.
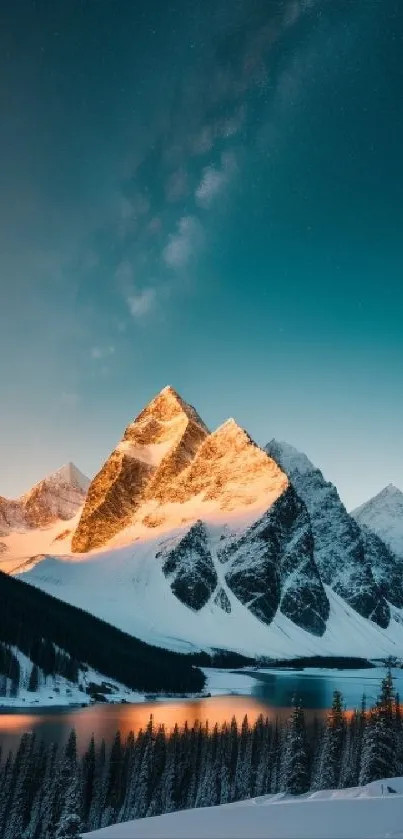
(207, 194)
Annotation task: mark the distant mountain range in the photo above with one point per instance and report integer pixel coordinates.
(191, 539)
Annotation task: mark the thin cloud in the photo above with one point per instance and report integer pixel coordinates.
(182, 244)
(214, 180)
(141, 302)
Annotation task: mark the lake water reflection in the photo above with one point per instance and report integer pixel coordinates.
(268, 692)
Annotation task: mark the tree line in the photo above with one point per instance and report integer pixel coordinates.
(48, 793)
(57, 637)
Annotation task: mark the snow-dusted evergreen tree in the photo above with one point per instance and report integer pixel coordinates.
(275, 758)
(203, 791)
(295, 770)
(128, 810)
(112, 797)
(263, 771)
(329, 765)
(6, 791)
(88, 778)
(97, 801)
(20, 804)
(64, 771)
(170, 802)
(127, 760)
(241, 781)
(379, 751)
(70, 821)
(144, 780)
(196, 757)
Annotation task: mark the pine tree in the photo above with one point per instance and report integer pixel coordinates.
(329, 765)
(263, 766)
(379, 752)
(196, 752)
(64, 772)
(144, 780)
(225, 768)
(275, 758)
(97, 801)
(18, 809)
(114, 797)
(5, 793)
(88, 775)
(203, 792)
(170, 789)
(295, 775)
(240, 781)
(70, 822)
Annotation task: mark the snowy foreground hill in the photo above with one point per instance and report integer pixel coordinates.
(374, 811)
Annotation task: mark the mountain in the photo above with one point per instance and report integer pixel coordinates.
(345, 560)
(153, 452)
(168, 458)
(57, 497)
(197, 540)
(383, 515)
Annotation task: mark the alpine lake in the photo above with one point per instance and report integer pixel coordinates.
(250, 691)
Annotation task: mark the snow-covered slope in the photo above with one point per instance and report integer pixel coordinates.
(370, 812)
(130, 588)
(347, 559)
(383, 514)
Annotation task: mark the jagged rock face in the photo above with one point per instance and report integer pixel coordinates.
(339, 549)
(155, 449)
(272, 566)
(269, 566)
(383, 515)
(189, 567)
(386, 567)
(11, 516)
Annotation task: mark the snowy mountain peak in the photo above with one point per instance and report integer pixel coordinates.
(167, 406)
(69, 474)
(383, 515)
(230, 469)
(289, 458)
(156, 447)
(59, 496)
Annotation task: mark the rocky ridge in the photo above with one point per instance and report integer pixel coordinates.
(348, 559)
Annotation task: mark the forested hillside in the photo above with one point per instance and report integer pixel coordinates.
(57, 637)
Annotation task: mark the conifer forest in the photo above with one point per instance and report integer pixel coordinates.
(52, 793)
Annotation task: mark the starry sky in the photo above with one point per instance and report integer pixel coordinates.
(207, 194)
